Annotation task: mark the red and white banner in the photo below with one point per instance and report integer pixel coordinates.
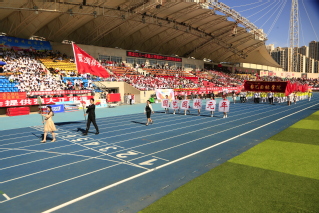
(211, 105)
(174, 104)
(87, 64)
(197, 103)
(224, 106)
(184, 104)
(60, 92)
(12, 95)
(165, 103)
(34, 101)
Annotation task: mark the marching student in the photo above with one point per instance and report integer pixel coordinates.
(224, 106)
(148, 110)
(234, 96)
(177, 102)
(185, 98)
(166, 109)
(49, 125)
(309, 96)
(198, 110)
(271, 97)
(91, 117)
(211, 105)
(263, 97)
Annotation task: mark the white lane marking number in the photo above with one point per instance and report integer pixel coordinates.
(107, 148)
(148, 163)
(124, 155)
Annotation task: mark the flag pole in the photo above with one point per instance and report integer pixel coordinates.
(40, 103)
(77, 69)
(82, 102)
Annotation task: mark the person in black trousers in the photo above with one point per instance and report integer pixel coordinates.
(91, 117)
(148, 110)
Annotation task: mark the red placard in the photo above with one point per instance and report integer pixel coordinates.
(34, 101)
(114, 97)
(266, 86)
(12, 95)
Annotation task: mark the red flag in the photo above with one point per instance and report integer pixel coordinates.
(87, 64)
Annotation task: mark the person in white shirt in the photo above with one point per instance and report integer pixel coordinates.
(271, 97)
(129, 99)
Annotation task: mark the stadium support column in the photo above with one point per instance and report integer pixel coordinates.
(294, 36)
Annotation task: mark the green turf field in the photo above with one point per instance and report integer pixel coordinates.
(278, 175)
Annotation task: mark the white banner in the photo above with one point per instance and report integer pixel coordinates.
(161, 94)
(197, 103)
(211, 105)
(224, 106)
(174, 104)
(184, 104)
(165, 103)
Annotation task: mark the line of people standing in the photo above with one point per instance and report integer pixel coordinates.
(129, 98)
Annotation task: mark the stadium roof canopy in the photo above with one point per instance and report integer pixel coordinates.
(183, 28)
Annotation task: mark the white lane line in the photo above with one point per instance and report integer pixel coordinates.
(175, 136)
(42, 159)
(34, 144)
(103, 153)
(57, 167)
(164, 165)
(160, 158)
(32, 151)
(48, 186)
(6, 196)
(161, 132)
(61, 153)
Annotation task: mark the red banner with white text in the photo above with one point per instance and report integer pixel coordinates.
(60, 92)
(12, 95)
(87, 64)
(34, 101)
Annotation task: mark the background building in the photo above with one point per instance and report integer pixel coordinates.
(308, 57)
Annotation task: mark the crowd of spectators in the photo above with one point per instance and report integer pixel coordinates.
(30, 74)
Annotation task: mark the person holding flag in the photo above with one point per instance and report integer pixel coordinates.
(91, 117)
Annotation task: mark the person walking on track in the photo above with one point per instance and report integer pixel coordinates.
(148, 110)
(49, 125)
(91, 117)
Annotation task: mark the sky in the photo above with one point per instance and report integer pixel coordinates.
(266, 15)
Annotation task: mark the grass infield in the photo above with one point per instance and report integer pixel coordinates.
(280, 174)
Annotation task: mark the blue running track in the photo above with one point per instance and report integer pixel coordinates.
(129, 165)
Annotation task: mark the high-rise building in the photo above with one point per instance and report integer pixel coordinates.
(314, 50)
(310, 65)
(304, 50)
(301, 67)
(270, 48)
(307, 62)
(282, 55)
(316, 67)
